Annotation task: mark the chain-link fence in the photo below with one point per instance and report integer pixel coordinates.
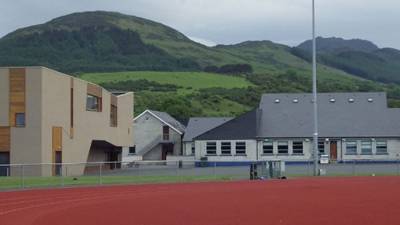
(16, 176)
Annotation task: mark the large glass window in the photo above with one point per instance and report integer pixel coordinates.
(268, 147)
(225, 148)
(211, 148)
(93, 103)
(240, 148)
(283, 147)
(351, 148)
(381, 148)
(366, 147)
(297, 147)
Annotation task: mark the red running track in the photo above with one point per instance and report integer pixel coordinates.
(327, 201)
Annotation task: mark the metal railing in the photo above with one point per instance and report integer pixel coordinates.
(15, 176)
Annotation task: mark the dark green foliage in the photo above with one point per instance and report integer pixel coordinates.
(139, 85)
(177, 106)
(357, 57)
(89, 49)
(230, 69)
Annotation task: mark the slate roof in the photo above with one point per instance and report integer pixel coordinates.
(199, 125)
(367, 116)
(166, 119)
(239, 128)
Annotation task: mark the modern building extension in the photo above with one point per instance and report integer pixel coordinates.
(352, 126)
(50, 117)
(157, 136)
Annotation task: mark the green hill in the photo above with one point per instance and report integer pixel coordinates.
(358, 57)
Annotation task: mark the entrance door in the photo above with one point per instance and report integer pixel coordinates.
(4, 159)
(166, 149)
(333, 150)
(113, 159)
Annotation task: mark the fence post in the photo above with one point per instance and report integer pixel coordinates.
(215, 170)
(22, 177)
(398, 167)
(62, 176)
(100, 174)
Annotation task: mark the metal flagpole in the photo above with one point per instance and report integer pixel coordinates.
(315, 103)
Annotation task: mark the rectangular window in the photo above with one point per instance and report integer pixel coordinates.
(113, 116)
(366, 147)
(211, 148)
(165, 133)
(240, 148)
(381, 148)
(268, 147)
(321, 147)
(297, 147)
(351, 148)
(226, 148)
(20, 119)
(193, 148)
(283, 147)
(132, 150)
(93, 103)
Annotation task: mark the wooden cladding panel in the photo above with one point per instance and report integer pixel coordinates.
(94, 90)
(57, 139)
(114, 100)
(17, 93)
(4, 139)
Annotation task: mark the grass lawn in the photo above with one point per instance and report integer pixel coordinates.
(41, 182)
(194, 80)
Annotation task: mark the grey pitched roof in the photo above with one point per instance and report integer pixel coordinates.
(199, 125)
(239, 128)
(169, 119)
(341, 118)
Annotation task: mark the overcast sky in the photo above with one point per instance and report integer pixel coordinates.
(232, 21)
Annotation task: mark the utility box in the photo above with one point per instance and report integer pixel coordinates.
(275, 169)
(324, 159)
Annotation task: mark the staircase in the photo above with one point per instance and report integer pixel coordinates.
(156, 141)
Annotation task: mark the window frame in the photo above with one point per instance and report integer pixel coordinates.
(242, 151)
(280, 149)
(98, 105)
(347, 147)
(17, 124)
(379, 146)
(130, 152)
(214, 149)
(321, 144)
(269, 144)
(299, 151)
(224, 144)
(363, 152)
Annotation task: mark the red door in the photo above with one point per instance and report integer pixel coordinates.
(333, 150)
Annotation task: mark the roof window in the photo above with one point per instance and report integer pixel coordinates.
(370, 100)
(351, 100)
(277, 100)
(295, 100)
(332, 100)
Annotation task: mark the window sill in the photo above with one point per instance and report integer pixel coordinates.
(283, 154)
(351, 154)
(383, 153)
(241, 155)
(211, 155)
(298, 154)
(267, 154)
(366, 154)
(226, 155)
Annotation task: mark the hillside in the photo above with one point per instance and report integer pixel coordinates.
(358, 57)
